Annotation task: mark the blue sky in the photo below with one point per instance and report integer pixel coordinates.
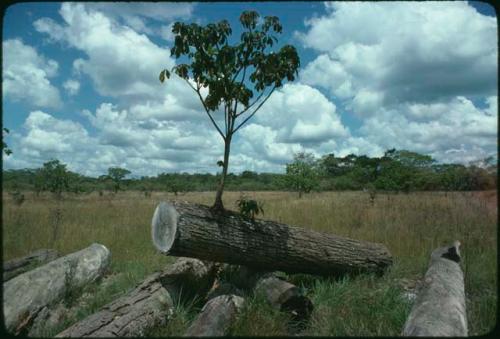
(80, 83)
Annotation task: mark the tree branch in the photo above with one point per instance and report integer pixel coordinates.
(253, 103)
(252, 114)
(206, 109)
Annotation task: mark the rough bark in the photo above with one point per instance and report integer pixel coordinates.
(148, 305)
(216, 316)
(285, 296)
(439, 309)
(14, 267)
(187, 277)
(131, 315)
(28, 293)
(192, 230)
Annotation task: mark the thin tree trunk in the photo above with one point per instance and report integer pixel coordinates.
(218, 205)
(193, 230)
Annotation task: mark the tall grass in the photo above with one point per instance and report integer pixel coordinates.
(410, 225)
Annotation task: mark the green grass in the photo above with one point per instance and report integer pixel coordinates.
(410, 225)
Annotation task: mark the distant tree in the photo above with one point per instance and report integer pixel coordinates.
(302, 175)
(5, 148)
(54, 177)
(221, 69)
(117, 174)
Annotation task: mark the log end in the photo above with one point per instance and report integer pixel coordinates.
(451, 252)
(164, 226)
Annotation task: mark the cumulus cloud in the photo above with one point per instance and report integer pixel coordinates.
(414, 73)
(136, 15)
(120, 61)
(72, 86)
(399, 52)
(26, 75)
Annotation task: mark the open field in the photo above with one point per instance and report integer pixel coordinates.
(410, 225)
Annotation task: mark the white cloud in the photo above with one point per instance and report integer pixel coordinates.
(410, 75)
(26, 75)
(71, 86)
(405, 52)
(121, 62)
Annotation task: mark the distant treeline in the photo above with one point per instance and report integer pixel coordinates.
(396, 170)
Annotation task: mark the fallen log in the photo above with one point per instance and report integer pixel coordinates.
(216, 316)
(439, 309)
(193, 230)
(25, 295)
(285, 297)
(188, 276)
(148, 305)
(14, 267)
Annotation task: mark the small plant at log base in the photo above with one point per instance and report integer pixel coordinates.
(249, 208)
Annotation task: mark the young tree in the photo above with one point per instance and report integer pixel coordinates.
(302, 174)
(231, 73)
(116, 174)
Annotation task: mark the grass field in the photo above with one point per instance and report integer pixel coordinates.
(410, 225)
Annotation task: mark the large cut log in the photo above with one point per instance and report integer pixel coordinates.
(148, 305)
(285, 297)
(145, 307)
(192, 230)
(14, 267)
(27, 294)
(439, 309)
(216, 316)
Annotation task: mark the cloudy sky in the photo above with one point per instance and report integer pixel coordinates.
(80, 84)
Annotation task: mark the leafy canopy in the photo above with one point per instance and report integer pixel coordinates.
(223, 68)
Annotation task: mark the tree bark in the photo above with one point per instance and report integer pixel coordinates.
(148, 305)
(187, 277)
(131, 315)
(285, 297)
(14, 267)
(26, 294)
(193, 230)
(216, 316)
(439, 309)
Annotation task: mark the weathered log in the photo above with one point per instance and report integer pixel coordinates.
(439, 309)
(148, 305)
(14, 267)
(187, 277)
(192, 230)
(215, 317)
(285, 297)
(27, 294)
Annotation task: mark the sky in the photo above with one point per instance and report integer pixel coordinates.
(80, 84)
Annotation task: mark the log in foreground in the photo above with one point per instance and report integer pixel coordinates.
(148, 305)
(27, 294)
(285, 297)
(14, 267)
(439, 309)
(192, 230)
(129, 316)
(216, 316)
